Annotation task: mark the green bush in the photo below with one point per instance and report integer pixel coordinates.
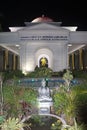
(12, 74)
(81, 103)
(80, 74)
(40, 72)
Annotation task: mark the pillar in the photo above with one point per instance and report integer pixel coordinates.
(68, 61)
(6, 59)
(80, 59)
(18, 62)
(14, 61)
(73, 62)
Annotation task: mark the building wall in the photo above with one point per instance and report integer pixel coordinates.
(55, 52)
(53, 46)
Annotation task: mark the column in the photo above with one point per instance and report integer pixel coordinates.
(17, 62)
(69, 61)
(6, 59)
(80, 59)
(14, 61)
(76, 60)
(73, 64)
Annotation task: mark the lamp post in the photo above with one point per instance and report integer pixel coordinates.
(1, 91)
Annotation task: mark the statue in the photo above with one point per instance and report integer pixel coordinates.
(44, 99)
(44, 91)
(43, 61)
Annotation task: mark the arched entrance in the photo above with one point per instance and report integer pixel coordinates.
(43, 62)
(44, 57)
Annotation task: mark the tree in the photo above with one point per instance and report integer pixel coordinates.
(67, 77)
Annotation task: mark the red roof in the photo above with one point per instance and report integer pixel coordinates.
(42, 19)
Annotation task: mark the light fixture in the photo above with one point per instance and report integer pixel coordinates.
(69, 45)
(17, 45)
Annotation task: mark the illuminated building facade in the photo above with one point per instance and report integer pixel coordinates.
(43, 42)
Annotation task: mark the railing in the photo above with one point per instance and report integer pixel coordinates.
(36, 82)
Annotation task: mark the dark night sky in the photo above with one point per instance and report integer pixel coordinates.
(70, 13)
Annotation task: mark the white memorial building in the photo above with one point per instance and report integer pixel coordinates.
(41, 39)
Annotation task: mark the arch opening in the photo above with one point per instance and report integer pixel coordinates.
(43, 62)
(44, 57)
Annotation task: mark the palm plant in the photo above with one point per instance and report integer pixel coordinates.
(64, 99)
(12, 124)
(67, 77)
(81, 102)
(75, 126)
(64, 105)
